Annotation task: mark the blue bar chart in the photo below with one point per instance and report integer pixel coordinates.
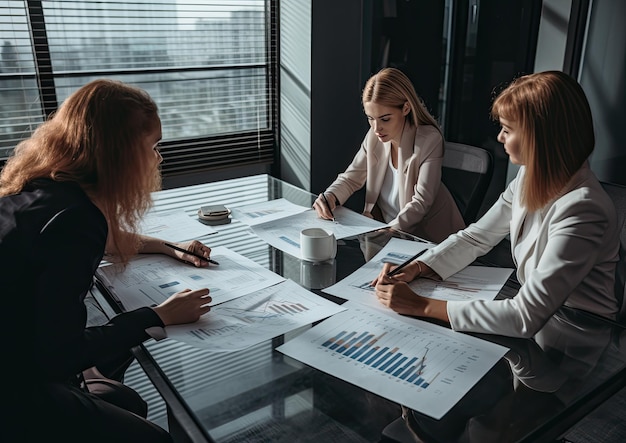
(364, 349)
(418, 364)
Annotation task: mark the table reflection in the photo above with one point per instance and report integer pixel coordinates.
(258, 394)
(539, 378)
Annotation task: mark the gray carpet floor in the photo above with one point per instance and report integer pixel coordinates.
(606, 424)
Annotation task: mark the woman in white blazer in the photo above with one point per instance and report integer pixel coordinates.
(562, 225)
(399, 163)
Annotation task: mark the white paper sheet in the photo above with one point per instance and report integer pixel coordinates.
(254, 318)
(471, 283)
(423, 366)
(284, 233)
(264, 212)
(150, 279)
(173, 226)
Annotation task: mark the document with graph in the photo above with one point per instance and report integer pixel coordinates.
(254, 318)
(173, 225)
(471, 283)
(284, 233)
(257, 213)
(423, 366)
(150, 279)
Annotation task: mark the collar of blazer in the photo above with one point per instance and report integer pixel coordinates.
(410, 141)
(409, 146)
(579, 177)
(519, 212)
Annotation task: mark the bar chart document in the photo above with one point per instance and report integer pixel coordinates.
(471, 283)
(151, 278)
(423, 366)
(254, 318)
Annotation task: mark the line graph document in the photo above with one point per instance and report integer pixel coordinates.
(284, 233)
(471, 283)
(173, 226)
(423, 366)
(254, 318)
(151, 278)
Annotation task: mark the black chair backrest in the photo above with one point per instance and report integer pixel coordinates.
(466, 172)
(618, 195)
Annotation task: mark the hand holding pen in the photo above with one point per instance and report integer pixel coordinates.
(387, 272)
(324, 206)
(405, 264)
(197, 250)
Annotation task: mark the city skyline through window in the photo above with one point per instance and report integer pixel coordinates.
(206, 63)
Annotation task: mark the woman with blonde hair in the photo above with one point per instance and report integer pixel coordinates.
(399, 163)
(75, 189)
(562, 225)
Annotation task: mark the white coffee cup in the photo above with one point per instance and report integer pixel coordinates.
(317, 245)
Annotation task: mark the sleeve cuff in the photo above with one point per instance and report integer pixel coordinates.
(156, 332)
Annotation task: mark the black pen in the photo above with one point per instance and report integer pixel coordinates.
(406, 263)
(176, 248)
(328, 206)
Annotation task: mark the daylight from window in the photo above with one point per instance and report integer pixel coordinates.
(204, 63)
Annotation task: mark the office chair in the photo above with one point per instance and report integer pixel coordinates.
(618, 195)
(466, 173)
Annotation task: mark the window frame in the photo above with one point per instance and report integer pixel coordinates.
(183, 156)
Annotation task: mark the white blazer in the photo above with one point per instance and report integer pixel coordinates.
(427, 207)
(571, 260)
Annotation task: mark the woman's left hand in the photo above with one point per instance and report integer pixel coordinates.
(398, 296)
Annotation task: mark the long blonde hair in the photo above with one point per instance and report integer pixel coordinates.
(555, 127)
(391, 87)
(95, 139)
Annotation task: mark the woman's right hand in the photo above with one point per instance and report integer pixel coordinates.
(408, 273)
(184, 307)
(324, 207)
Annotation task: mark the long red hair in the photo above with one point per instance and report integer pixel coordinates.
(95, 139)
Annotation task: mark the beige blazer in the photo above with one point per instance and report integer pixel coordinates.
(571, 260)
(428, 209)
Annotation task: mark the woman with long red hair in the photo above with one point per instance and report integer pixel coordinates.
(77, 188)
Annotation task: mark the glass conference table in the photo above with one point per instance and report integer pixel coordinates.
(538, 391)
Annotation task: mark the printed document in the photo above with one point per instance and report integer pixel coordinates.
(267, 211)
(471, 283)
(423, 366)
(173, 226)
(150, 279)
(284, 233)
(254, 318)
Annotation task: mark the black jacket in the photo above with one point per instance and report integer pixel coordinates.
(52, 239)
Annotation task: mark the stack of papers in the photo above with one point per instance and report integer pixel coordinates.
(255, 318)
(250, 304)
(151, 278)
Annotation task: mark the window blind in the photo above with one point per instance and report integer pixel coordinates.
(209, 65)
(20, 108)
